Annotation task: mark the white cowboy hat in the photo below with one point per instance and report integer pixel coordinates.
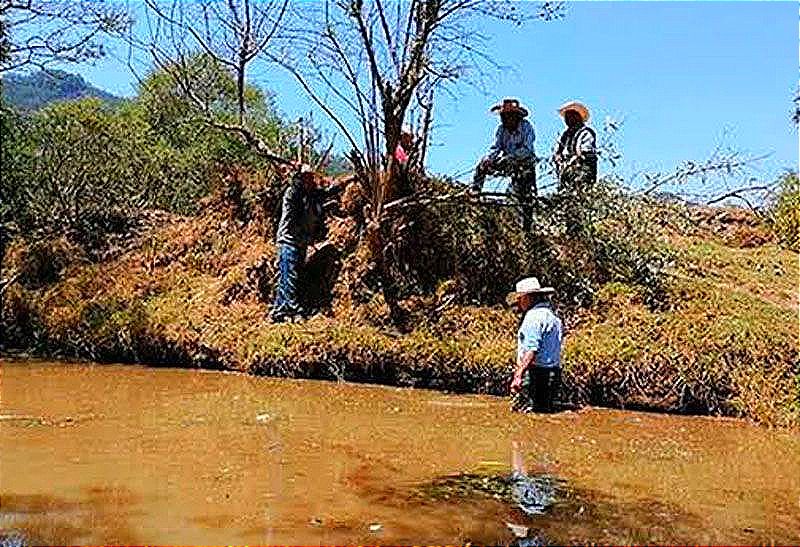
(530, 285)
(578, 107)
(407, 130)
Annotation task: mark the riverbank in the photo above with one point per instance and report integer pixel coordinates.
(191, 292)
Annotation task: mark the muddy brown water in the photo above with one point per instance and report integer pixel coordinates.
(124, 454)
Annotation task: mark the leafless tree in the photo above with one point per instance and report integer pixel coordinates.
(371, 66)
(232, 35)
(39, 33)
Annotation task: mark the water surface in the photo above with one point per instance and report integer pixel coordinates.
(125, 454)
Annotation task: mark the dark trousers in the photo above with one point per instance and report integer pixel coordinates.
(540, 386)
(579, 176)
(522, 191)
(523, 183)
(287, 298)
(546, 382)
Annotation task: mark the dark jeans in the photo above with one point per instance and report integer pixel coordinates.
(523, 183)
(540, 386)
(576, 182)
(290, 263)
(579, 176)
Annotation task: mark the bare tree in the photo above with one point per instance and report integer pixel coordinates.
(371, 66)
(39, 33)
(231, 35)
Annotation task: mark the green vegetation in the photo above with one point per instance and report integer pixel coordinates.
(785, 213)
(81, 165)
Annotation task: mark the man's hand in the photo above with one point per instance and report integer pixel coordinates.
(516, 383)
(528, 359)
(572, 162)
(286, 169)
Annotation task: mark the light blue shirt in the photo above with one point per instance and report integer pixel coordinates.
(517, 144)
(541, 332)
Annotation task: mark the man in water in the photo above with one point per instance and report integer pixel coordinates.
(576, 151)
(512, 155)
(538, 371)
(302, 222)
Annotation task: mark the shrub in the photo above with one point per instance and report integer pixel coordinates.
(578, 243)
(785, 212)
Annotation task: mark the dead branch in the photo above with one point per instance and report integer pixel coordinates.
(723, 163)
(67, 31)
(232, 34)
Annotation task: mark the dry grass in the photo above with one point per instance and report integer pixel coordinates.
(195, 292)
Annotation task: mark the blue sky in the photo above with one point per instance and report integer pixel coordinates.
(684, 77)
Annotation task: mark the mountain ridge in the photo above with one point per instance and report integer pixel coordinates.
(29, 92)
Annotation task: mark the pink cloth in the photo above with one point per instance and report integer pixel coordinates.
(400, 154)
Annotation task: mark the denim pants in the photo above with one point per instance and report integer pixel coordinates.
(287, 300)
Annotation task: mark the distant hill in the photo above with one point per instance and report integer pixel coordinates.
(33, 91)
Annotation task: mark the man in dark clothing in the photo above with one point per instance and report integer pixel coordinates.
(576, 151)
(302, 222)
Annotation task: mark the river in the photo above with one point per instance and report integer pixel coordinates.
(128, 454)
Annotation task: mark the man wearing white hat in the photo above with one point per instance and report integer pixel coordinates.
(512, 155)
(538, 370)
(576, 151)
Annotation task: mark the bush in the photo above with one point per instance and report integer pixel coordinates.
(70, 164)
(785, 212)
(578, 244)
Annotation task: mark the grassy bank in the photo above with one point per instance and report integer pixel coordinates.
(193, 292)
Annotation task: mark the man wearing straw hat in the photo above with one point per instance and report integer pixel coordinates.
(538, 371)
(576, 151)
(512, 155)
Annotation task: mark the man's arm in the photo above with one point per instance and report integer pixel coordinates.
(527, 149)
(530, 335)
(292, 203)
(527, 361)
(557, 149)
(497, 148)
(333, 190)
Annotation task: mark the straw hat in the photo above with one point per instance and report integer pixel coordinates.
(530, 285)
(578, 107)
(510, 106)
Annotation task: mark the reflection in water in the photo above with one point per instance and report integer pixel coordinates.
(273, 449)
(12, 538)
(532, 494)
(120, 454)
